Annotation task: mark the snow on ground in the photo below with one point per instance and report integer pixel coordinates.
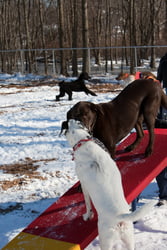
(36, 166)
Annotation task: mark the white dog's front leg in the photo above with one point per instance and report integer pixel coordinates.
(89, 213)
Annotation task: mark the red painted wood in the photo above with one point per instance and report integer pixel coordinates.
(136, 170)
(63, 220)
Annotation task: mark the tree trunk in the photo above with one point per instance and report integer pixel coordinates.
(28, 40)
(85, 37)
(75, 39)
(131, 27)
(41, 17)
(152, 62)
(63, 70)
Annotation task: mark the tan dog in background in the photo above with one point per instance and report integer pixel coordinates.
(128, 78)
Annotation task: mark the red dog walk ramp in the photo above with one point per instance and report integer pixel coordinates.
(61, 226)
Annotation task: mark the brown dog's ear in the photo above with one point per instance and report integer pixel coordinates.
(97, 108)
(64, 127)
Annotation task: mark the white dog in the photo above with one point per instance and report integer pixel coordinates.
(101, 182)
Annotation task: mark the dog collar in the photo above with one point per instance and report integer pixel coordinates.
(126, 75)
(79, 144)
(152, 78)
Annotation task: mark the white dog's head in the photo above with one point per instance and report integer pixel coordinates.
(74, 131)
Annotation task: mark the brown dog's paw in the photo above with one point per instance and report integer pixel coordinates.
(79, 189)
(148, 152)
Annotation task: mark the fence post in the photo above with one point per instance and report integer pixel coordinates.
(54, 66)
(136, 59)
(89, 60)
(22, 61)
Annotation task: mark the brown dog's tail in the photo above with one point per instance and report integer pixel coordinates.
(164, 100)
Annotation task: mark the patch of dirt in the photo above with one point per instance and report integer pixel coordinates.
(23, 171)
(5, 185)
(105, 87)
(25, 85)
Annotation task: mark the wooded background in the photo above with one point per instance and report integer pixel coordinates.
(42, 24)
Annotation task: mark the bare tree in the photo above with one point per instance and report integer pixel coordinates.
(26, 10)
(97, 12)
(74, 37)
(132, 33)
(152, 62)
(61, 37)
(41, 17)
(85, 37)
(166, 18)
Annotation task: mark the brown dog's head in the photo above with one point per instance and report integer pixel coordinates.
(86, 112)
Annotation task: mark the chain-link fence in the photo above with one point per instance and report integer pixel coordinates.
(102, 60)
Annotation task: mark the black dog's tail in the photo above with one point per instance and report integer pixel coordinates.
(88, 91)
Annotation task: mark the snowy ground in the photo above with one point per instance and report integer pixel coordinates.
(36, 166)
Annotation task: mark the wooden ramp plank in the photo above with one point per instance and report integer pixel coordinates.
(62, 224)
(26, 241)
(136, 170)
(63, 220)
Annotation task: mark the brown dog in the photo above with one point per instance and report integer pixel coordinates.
(112, 121)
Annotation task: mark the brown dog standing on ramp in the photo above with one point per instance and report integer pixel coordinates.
(110, 122)
(77, 86)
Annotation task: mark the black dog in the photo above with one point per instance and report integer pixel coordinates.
(77, 86)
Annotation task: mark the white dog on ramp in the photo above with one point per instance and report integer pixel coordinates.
(101, 182)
